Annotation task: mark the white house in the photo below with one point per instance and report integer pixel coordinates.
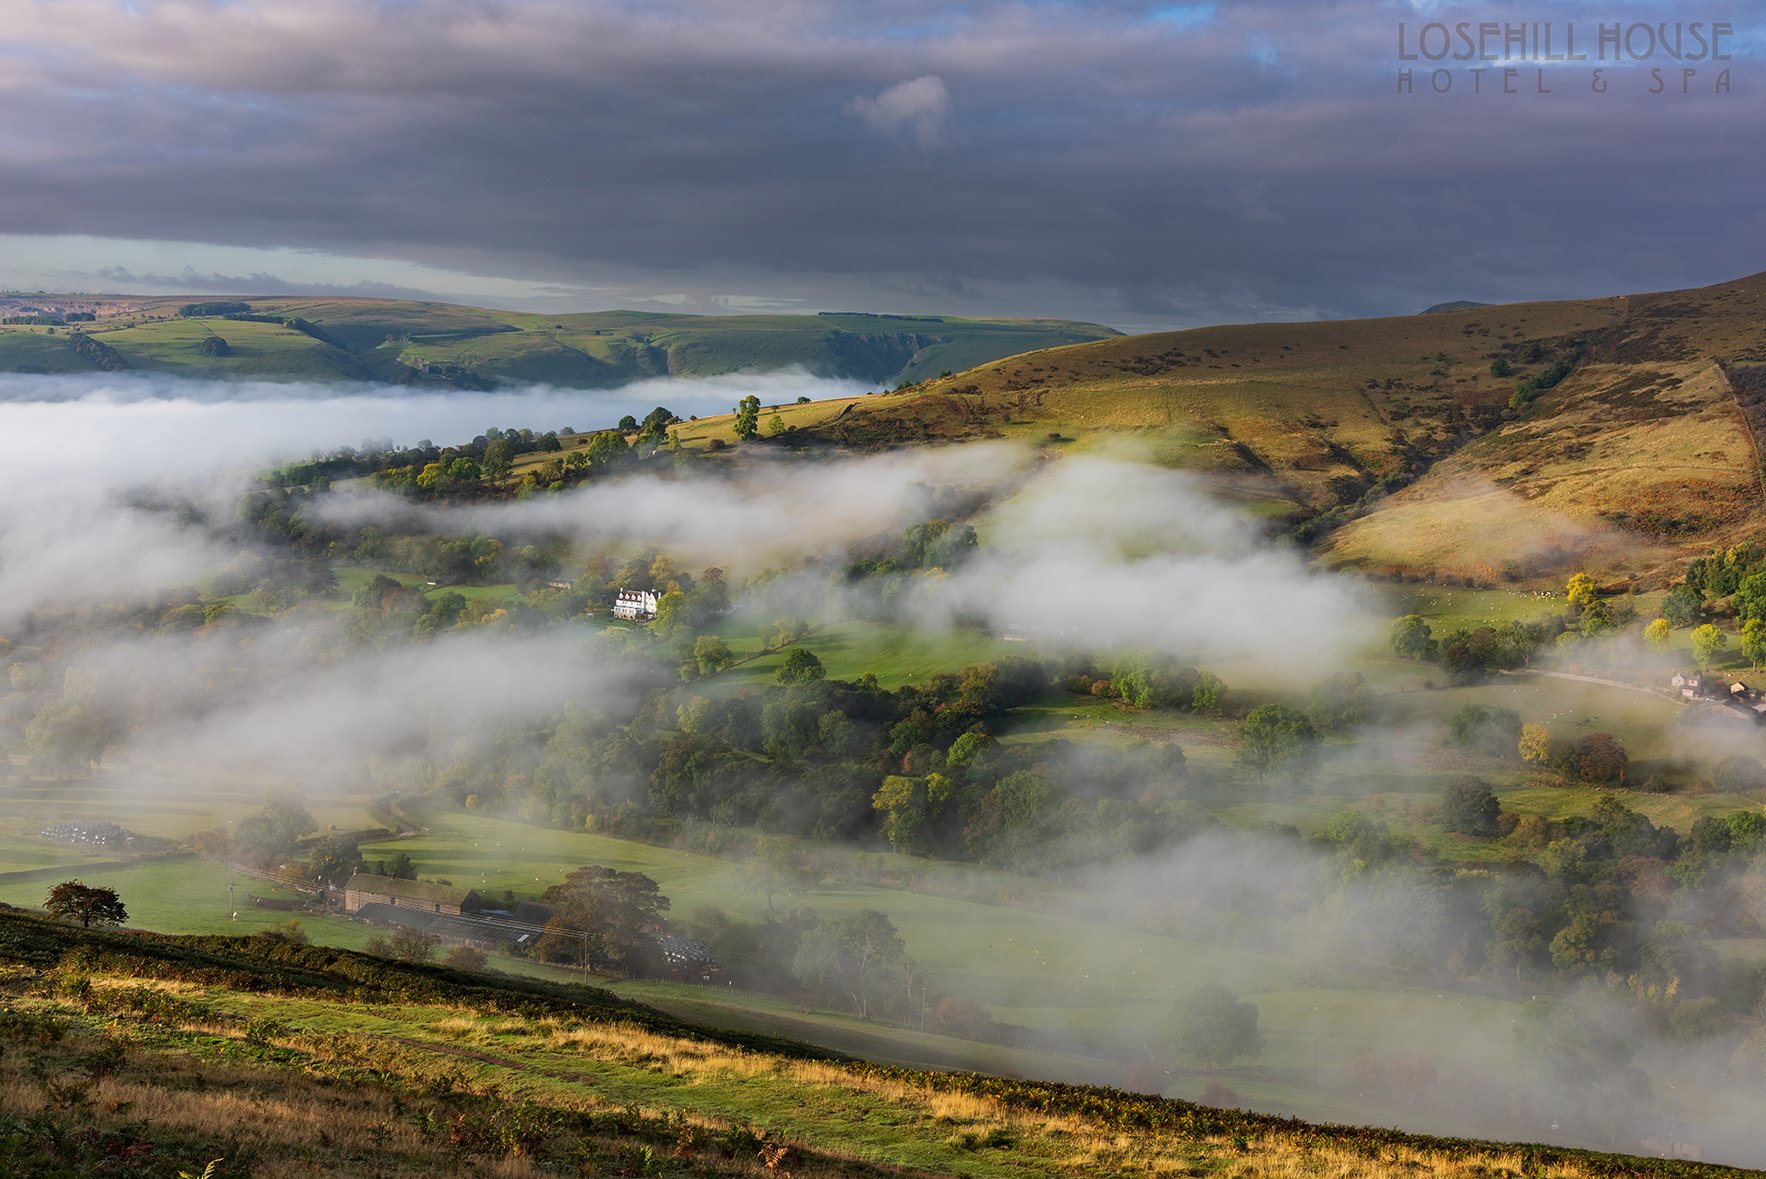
(635, 604)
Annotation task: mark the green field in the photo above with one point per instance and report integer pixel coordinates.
(896, 655)
(391, 340)
(170, 802)
(1095, 987)
(190, 896)
(258, 1058)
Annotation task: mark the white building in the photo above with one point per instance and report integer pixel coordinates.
(635, 604)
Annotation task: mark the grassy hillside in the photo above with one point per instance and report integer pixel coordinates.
(390, 340)
(146, 1055)
(1635, 451)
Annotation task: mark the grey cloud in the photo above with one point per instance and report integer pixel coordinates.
(1115, 167)
(918, 106)
(256, 283)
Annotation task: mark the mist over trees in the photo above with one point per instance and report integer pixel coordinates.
(1101, 756)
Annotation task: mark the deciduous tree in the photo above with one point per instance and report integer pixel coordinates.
(72, 901)
(1535, 744)
(747, 423)
(1707, 643)
(1469, 807)
(1277, 739)
(1214, 1026)
(1411, 638)
(861, 957)
(801, 667)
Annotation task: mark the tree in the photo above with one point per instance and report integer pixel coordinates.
(747, 423)
(1339, 702)
(608, 450)
(1491, 730)
(68, 738)
(938, 543)
(1707, 641)
(614, 912)
(400, 867)
(1682, 606)
(1535, 744)
(274, 832)
(861, 957)
(407, 945)
(70, 900)
(711, 654)
(628, 424)
(1214, 1026)
(1275, 738)
(1601, 757)
(465, 957)
(801, 667)
(1468, 807)
(784, 631)
(674, 613)
(1580, 592)
(1739, 774)
(288, 932)
(902, 803)
(1411, 638)
(499, 456)
(1753, 642)
(335, 859)
(775, 866)
(1656, 636)
(1146, 679)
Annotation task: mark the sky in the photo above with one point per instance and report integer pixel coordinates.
(1139, 164)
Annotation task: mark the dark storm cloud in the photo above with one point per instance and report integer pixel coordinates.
(1121, 161)
(256, 283)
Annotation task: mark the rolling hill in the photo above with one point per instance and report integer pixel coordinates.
(134, 1054)
(471, 347)
(1504, 443)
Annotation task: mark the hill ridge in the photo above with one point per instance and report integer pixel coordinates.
(141, 1013)
(1599, 425)
(432, 342)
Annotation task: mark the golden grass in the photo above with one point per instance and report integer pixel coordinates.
(321, 1107)
(1622, 469)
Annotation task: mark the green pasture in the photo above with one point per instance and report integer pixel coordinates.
(169, 802)
(895, 655)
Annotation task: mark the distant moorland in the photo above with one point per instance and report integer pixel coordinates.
(474, 348)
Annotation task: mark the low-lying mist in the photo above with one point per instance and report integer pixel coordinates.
(134, 591)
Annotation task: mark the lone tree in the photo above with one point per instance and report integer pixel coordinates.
(1411, 638)
(1469, 807)
(1276, 738)
(861, 957)
(1214, 1026)
(800, 667)
(70, 900)
(747, 423)
(1707, 643)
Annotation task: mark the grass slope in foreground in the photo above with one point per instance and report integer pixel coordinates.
(137, 1054)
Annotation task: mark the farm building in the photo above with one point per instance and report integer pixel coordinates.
(1695, 685)
(466, 929)
(634, 605)
(421, 895)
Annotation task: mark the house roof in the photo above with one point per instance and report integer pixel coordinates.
(412, 890)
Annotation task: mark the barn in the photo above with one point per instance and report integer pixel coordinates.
(422, 895)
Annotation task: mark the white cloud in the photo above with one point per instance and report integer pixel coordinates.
(918, 106)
